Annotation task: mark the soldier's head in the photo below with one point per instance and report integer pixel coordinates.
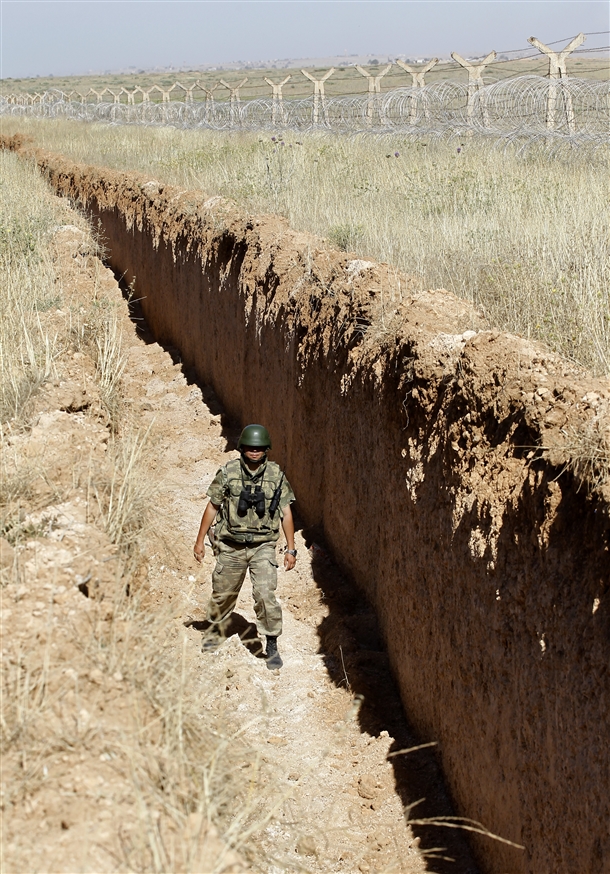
(254, 442)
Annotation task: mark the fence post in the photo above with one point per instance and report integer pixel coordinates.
(558, 69)
(475, 82)
(318, 93)
(181, 86)
(419, 80)
(189, 94)
(116, 96)
(374, 89)
(209, 99)
(234, 92)
(278, 100)
(155, 88)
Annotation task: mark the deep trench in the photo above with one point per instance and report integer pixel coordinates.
(353, 651)
(433, 452)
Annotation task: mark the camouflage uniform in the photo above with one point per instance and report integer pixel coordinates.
(247, 542)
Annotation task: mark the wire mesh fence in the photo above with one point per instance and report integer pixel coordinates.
(525, 107)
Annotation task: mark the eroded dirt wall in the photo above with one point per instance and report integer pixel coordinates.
(413, 438)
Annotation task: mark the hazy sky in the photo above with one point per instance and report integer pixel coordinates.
(40, 37)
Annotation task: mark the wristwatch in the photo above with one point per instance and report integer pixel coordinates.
(291, 552)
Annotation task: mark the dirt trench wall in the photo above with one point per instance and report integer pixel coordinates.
(413, 439)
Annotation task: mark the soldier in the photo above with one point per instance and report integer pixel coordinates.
(249, 498)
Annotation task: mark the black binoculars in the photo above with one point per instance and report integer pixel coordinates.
(251, 497)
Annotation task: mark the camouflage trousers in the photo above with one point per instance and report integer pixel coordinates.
(232, 562)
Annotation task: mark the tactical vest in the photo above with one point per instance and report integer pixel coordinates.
(248, 528)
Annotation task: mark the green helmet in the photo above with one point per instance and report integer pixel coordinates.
(255, 435)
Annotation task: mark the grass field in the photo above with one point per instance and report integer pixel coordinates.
(524, 237)
(345, 80)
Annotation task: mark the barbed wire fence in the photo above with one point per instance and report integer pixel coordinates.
(515, 108)
(553, 109)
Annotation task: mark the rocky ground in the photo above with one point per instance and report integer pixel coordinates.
(111, 712)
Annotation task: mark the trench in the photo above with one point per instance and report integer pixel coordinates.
(405, 427)
(353, 653)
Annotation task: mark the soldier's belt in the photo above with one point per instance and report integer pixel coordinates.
(248, 540)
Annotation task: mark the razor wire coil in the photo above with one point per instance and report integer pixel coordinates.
(534, 107)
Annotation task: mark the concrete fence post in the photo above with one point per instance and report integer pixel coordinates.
(278, 100)
(374, 90)
(179, 86)
(418, 76)
(234, 97)
(558, 69)
(116, 95)
(475, 83)
(209, 99)
(159, 90)
(319, 96)
(189, 93)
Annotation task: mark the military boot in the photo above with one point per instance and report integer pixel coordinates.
(274, 659)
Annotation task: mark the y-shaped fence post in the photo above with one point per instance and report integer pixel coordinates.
(116, 94)
(558, 69)
(278, 100)
(179, 85)
(419, 80)
(189, 94)
(374, 89)
(209, 100)
(155, 88)
(234, 92)
(318, 93)
(475, 82)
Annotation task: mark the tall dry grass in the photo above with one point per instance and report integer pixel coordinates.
(27, 284)
(524, 236)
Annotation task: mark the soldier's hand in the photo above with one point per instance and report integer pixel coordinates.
(289, 561)
(199, 552)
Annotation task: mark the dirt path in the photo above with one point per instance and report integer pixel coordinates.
(339, 796)
(342, 810)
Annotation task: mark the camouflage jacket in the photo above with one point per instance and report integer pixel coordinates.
(224, 492)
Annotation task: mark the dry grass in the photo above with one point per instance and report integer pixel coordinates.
(589, 448)
(28, 350)
(125, 499)
(522, 236)
(191, 775)
(27, 284)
